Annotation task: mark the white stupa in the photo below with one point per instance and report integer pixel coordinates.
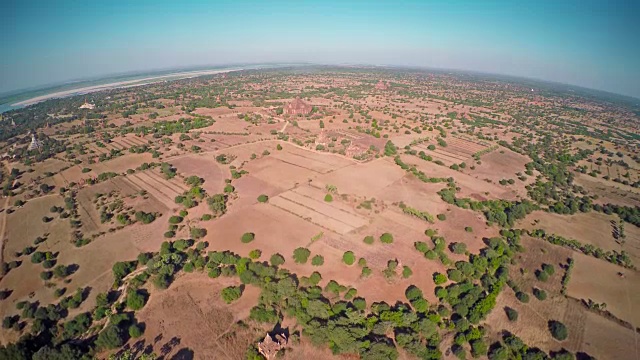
(87, 105)
(35, 143)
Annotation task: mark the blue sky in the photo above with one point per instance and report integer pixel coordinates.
(589, 43)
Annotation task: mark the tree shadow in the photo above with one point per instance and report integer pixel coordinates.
(183, 354)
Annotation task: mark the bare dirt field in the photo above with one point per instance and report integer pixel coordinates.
(470, 185)
(189, 319)
(608, 192)
(599, 281)
(590, 228)
(204, 166)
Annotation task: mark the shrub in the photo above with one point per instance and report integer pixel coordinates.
(431, 255)
(468, 229)
(229, 188)
(539, 294)
(135, 331)
(247, 237)
(542, 275)
(442, 217)
(478, 348)
(175, 220)
(145, 218)
(207, 217)
(458, 248)
(315, 278)
(169, 234)
(386, 238)
(300, 255)
(328, 198)
(406, 272)
(455, 275)
(198, 233)
(317, 260)
(349, 258)
(46, 275)
(548, 268)
(214, 273)
(439, 278)
(368, 240)
(231, 293)
(522, 296)
(276, 260)
(558, 330)
(37, 257)
(366, 271)
(263, 198)
(512, 314)
(110, 338)
(135, 300)
(61, 271)
(255, 254)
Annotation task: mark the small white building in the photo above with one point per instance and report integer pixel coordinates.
(87, 105)
(35, 143)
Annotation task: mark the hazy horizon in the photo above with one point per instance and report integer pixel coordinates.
(589, 44)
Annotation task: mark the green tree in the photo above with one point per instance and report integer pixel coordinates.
(558, 330)
(539, 294)
(231, 293)
(301, 255)
(247, 237)
(439, 278)
(135, 331)
(348, 258)
(386, 238)
(276, 260)
(110, 338)
(317, 260)
(135, 300)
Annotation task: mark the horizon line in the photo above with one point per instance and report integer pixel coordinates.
(178, 69)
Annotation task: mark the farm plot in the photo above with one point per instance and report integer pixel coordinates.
(457, 150)
(122, 163)
(89, 215)
(307, 203)
(155, 184)
(320, 163)
(367, 179)
(129, 141)
(292, 166)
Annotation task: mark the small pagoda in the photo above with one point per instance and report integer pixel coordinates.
(269, 347)
(381, 85)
